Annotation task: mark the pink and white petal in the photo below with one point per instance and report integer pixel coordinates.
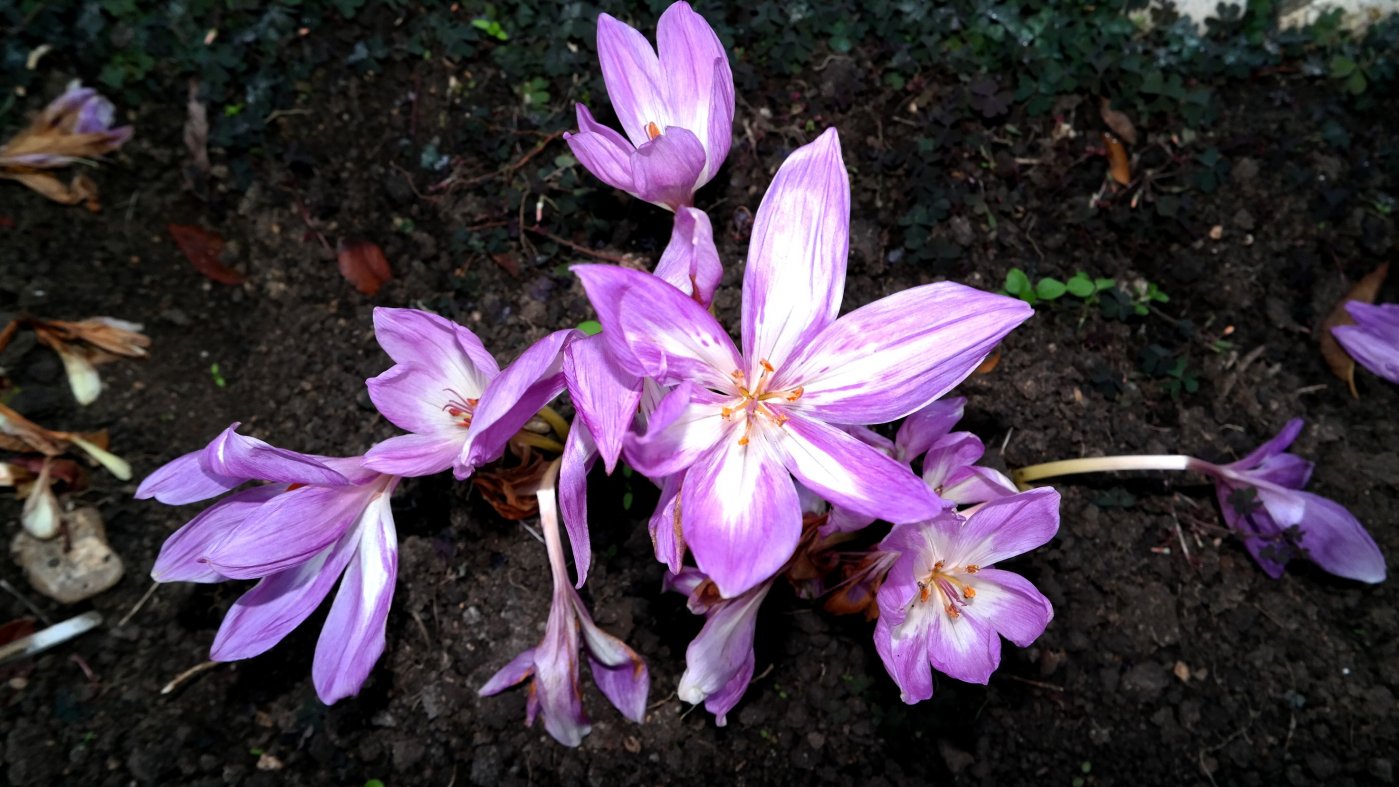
(688, 48)
(896, 355)
(1285, 470)
(921, 429)
(1273, 447)
(618, 671)
(431, 342)
(949, 454)
(414, 399)
(739, 514)
(288, 530)
(1006, 527)
(605, 396)
(687, 423)
(851, 474)
(684, 581)
(721, 119)
(964, 648)
(182, 556)
(690, 261)
(1010, 604)
(666, 169)
(719, 661)
(413, 455)
(667, 536)
(1374, 339)
(520, 669)
(654, 330)
(795, 279)
(1261, 536)
(602, 151)
(353, 636)
(972, 485)
(279, 603)
(514, 397)
(579, 454)
(185, 479)
(906, 661)
(234, 455)
(1335, 540)
(632, 73)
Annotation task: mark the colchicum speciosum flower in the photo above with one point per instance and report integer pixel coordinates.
(719, 661)
(316, 519)
(1373, 341)
(76, 126)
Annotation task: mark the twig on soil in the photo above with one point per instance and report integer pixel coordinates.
(187, 674)
(509, 169)
(29, 605)
(533, 532)
(427, 639)
(408, 178)
(1006, 441)
(601, 255)
(42, 640)
(660, 703)
(128, 616)
(1039, 684)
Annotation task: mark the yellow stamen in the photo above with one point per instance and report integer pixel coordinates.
(652, 130)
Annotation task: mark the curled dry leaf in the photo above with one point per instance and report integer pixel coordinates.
(989, 365)
(202, 248)
(1118, 166)
(1118, 121)
(1340, 362)
(363, 264)
(510, 490)
(28, 435)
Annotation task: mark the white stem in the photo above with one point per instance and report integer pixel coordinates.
(1100, 464)
(56, 634)
(549, 523)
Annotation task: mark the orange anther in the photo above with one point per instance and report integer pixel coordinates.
(952, 612)
(736, 375)
(969, 592)
(923, 592)
(796, 393)
(763, 362)
(652, 130)
(972, 568)
(743, 440)
(937, 566)
(726, 413)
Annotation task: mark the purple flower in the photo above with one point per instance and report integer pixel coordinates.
(719, 661)
(554, 690)
(949, 458)
(944, 606)
(738, 424)
(676, 109)
(320, 518)
(447, 390)
(1373, 341)
(77, 125)
(1261, 499)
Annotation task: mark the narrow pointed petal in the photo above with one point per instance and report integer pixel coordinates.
(520, 669)
(853, 475)
(631, 70)
(666, 169)
(429, 341)
(965, 648)
(653, 330)
(1007, 527)
(667, 535)
(740, 514)
(1335, 540)
(687, 49)
(1010, 604)
(353, 637)
(1261, 535)
(721, 119)
(279, 603)
(1374, 339)
(602, 151)
(182, 556)
(618, 671)
(1273, 447)
(412, 398)
(512, 398)
(413, 455)
(795, 279)
(906, 660)
(896, 355)
(185, 480)
(287, 530)
(690, 261)
(686, 424)
(579, 454)
(719, 661)
(949, 454)
(973, 485)
(556, 686)
(605, 396)
(234, 455)
(683, 581)
(921, 429)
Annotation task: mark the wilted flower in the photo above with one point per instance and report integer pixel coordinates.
(82, 345)
(1373, 341)
(943, 604)
(75, 126)
(719, 661)
(738, 424)
(41, 515)
(447, 390)
(676, 109)
(318, 518)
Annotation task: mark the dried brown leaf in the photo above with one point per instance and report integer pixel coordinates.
(990, 363)
(30, 434)
(510, 490)
(51, 187)
(202, 248)
(363, 264)
(1118, 121)
(1339, 361)
(1118, 165)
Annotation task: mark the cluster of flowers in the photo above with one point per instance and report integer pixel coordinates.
(761, 449)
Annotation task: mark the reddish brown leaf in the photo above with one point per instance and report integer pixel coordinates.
(1118, 165)
(65, 470)
(508, 263)
(1336, 357)
(202, 247)
(363, 264)
(18, 628)
(510, 490)
(1120, 124)
(990, 363)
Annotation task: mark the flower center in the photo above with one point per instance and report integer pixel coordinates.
(756, 400)
(946, 587)
(652, 130)
(460, 408)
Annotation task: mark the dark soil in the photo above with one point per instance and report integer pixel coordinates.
(1172, 658)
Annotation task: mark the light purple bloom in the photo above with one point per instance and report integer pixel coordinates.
(77, 125)
(719, 661)
(552, 666)
(949, 458)
(738, 424)
(1373, 341)
(447, 390)
(320, 518)
(1261, 499)
(944, 606)
(676, 109)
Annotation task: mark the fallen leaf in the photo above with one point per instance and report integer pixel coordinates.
(18, 628)
(510, 490)
(1342, 365)
(202, 247)
(362, 263)
(1120, 124)
(29, 434)
(1118, 165)
(989, 364)
(508, 263)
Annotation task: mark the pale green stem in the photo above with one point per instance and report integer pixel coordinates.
(555, 421)
(538, 441)
(1101, 464)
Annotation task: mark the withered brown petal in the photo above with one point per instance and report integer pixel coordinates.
(202, 247)
(363, 264)
(1339, 361)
